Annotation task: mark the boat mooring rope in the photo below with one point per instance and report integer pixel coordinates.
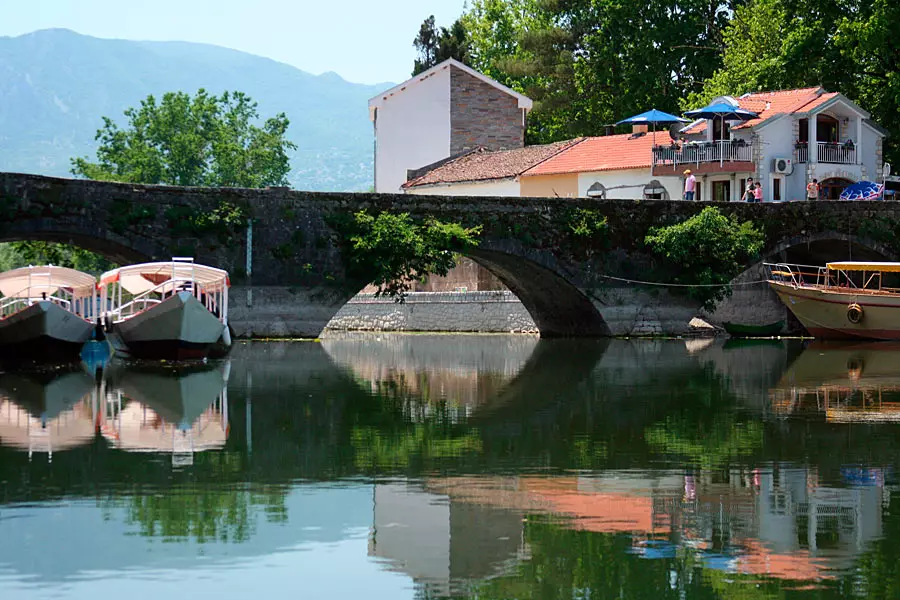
(688, 285)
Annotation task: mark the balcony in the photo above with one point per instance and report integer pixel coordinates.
(704, 157)
(828, 153)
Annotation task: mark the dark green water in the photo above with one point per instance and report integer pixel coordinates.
(384, 466)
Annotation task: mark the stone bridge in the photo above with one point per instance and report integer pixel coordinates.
(288, 272)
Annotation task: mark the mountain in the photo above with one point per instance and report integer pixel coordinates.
(56, 85)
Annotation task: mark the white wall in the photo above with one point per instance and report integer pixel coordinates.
(412, 129)
(868, 149)
(777, 141)
(503, 187)
(627, 177)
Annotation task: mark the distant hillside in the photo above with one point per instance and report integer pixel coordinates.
(55, 85)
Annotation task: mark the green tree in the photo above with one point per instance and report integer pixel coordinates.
(588, 63)
(390, 250)
(50, 253)
(204, 140)
(435, 45)
(709, 249)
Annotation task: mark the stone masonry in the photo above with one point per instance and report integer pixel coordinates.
(289, 271)
(482, 115)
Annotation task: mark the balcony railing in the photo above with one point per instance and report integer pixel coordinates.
(827, 152)
(838, 154)
(721, 152)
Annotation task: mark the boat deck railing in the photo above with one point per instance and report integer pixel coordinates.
(810, 277)
(797, 275)
(12, 305)
(166, 289)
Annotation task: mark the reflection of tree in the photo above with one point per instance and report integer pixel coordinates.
(398, 442)
(705, 430)
(708, 442)
(205, 512)
(878, 570)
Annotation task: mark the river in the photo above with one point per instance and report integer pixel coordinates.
(426, 466)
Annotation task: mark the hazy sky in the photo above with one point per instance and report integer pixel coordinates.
(361, 40)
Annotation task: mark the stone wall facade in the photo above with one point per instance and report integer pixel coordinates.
(482, 115)
(487, 312)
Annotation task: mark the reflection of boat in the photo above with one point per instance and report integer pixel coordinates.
(156, 409)
(46, 412)
(741, 330)
(177, 310)
(45, 313)
(848, 382)
(843, 300)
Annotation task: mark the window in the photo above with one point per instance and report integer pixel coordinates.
(721, 191)
(776, 189)
(597, 190)
(655, 191)
(721, 130)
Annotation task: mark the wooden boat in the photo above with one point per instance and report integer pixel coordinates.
(741, 330)
(46, 313)
(842, 300)
(173, 310)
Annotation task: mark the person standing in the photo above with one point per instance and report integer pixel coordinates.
(748, 192)
(812, 190)
(757, 193)
(690, 185)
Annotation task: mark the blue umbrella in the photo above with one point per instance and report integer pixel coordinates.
(722, 110)
(652, 117)
(862, 190)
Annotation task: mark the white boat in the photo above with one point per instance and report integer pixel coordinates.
(173, 310)
(842, 300)
(46, 313)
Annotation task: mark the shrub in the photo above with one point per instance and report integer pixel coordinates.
(390, 250)
(709, 249)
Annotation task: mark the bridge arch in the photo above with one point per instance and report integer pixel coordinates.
(114, 251)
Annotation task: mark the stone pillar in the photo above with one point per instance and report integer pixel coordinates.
(813, 140)
(734, 186)
(858, 144)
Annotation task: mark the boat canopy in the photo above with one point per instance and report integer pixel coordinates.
(31, 282)
(138, 279)
(884, 267)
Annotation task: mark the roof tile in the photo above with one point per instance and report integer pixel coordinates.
(482, 165)
(605, 153)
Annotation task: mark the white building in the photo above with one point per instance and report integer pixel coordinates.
(799, 135)
(442, 112)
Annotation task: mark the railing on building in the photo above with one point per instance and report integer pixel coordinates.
(703, 153)
(828, 153)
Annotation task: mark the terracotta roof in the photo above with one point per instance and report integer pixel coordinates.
(605, 153)
(482, 165)
(771, 104)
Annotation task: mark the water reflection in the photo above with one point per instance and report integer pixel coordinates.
(484, 466)
(47, 411)
(163, 409)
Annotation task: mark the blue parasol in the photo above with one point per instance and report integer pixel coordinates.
(652, 117)
(722, 110)
(863, 190)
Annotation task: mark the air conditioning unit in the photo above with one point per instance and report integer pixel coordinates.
(783, 165)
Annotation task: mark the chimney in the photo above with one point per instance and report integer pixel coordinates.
(639, 128)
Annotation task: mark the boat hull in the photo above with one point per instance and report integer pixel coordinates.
(824, 313)
(740, 330)
(179, 328)
(44, 332)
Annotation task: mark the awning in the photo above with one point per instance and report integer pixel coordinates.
(885, 267)
(137, 279)
(31, 282)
